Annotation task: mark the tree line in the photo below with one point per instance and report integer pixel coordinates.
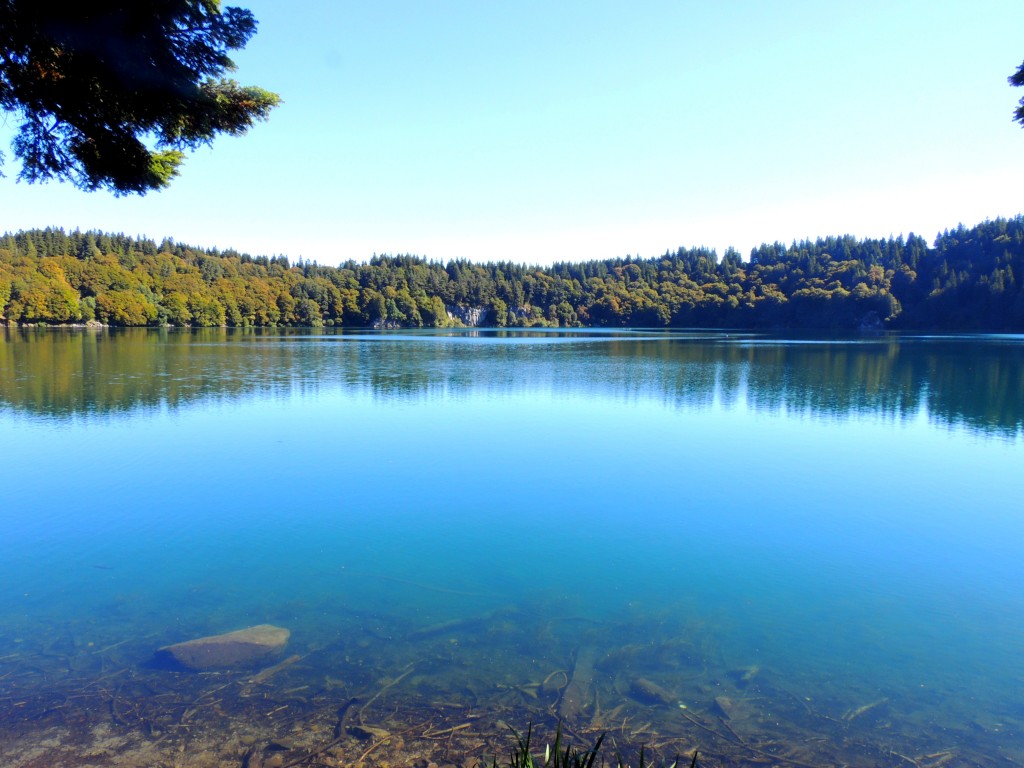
(970, 279)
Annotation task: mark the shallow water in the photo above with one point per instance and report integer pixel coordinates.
(812, 547)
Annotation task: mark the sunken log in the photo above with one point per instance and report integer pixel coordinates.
(578, 694)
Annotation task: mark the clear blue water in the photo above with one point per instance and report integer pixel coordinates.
(836, 523)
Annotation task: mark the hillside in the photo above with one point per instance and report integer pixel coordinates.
(969, 279)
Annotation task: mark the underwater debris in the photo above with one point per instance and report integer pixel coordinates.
(853, 714)
(429, 703)
(576, 696)
(463, 625)
(270, 754)
(266, 674)
(554, 683)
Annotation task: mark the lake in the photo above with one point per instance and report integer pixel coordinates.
(774, 550)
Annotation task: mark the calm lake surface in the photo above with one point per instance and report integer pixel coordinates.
(777, 550)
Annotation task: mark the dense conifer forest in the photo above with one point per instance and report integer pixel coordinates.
(969, 280)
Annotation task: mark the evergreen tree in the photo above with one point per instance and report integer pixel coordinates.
(92, 84)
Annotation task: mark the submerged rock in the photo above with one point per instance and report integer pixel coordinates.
(368, 732)
(724, 706)
(649, 692)
(744, 675)
(243, 646)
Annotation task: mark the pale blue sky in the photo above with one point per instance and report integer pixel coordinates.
(540, 131)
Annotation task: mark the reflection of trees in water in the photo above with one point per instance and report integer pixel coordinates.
(978, 382)
(71, 373)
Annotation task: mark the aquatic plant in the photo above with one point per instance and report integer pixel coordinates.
(568, 756)
(555, 757)
(643, 763)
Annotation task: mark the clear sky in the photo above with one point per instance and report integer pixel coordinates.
(544, 131)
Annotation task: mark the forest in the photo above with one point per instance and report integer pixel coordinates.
(968, 280)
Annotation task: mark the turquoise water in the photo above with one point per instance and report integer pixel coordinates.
(796, 526)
